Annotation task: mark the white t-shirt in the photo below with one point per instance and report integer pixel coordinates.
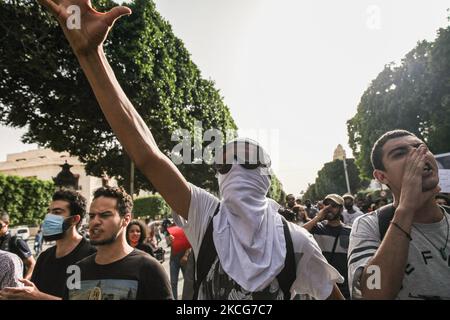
(427, 274)
(314, 276)
(349, 218)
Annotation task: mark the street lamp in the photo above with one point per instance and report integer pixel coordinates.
(346, 173)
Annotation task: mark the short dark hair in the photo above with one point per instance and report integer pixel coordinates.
(376, 156)
(124, 200)
(141, 226)
(290, 195)
(444, 197)
(77, 203)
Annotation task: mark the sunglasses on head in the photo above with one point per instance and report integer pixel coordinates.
(247, 164)
(226, 167)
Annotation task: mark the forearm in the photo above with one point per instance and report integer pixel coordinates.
(311, 223)
(45, 296)
(30, 267)
(125, 121)
(391, 258)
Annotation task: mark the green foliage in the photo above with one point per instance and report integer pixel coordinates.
(331, 179)
(276, 191)
(414, 95)
(26, 200)
(151, 206)
(43, 87)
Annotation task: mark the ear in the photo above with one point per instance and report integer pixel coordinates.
(126, 219)
(380, 176)
(76, 218)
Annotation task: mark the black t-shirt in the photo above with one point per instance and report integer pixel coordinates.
(50, 273)
(137, 276)
(325, 236)
(15, 245)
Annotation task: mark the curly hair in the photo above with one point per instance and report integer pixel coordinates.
(124, 200)
(77, 203)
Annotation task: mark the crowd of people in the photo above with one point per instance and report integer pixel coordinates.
(244, 245)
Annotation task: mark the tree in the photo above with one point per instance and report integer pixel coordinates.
(26, 200)
(331, 179)
(150, 206)
(414, 95)
(276, 191)
(43, 87)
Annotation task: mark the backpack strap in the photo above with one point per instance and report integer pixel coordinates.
(206, 256)
(287, 276)
(385, 215)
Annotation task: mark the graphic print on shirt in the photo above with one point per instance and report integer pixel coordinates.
(105, 289)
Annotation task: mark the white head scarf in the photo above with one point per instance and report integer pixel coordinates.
(248, 231)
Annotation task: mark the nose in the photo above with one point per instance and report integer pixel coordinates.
(94, 221)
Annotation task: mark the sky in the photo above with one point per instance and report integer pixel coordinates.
(292, 72)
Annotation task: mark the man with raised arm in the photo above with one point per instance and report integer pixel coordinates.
(255, 254)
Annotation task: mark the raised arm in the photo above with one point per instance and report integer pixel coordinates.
(130, 129)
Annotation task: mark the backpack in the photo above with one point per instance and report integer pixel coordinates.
(385, 215)
(208, 254)
(11, 245)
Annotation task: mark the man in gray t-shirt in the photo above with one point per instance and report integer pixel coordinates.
(411, 259)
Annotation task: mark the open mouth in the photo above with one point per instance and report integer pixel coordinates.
(95, 232)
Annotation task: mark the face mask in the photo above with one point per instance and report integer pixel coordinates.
(53, 227)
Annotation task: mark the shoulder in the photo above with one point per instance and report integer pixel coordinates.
(7, 257)
(301, 238)
(366, 222)
(201, 195)
(86, 245)
(145, 262)
(47, 253)
(87, 261)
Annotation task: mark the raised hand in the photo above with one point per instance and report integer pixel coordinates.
(412, 196)
(93, 28)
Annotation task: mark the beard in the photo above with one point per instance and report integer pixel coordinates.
(332, 217)
(348, 206)
(104, 242)
(107, 241)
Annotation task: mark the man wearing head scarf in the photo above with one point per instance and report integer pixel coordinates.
(247, 230)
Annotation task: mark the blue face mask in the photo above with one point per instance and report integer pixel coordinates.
(53, 227)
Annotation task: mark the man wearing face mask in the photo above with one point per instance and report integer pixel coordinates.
(16, 245)
(117, 271)
(48, 281)
(332, 236)
(248, 234)
(351, 212)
